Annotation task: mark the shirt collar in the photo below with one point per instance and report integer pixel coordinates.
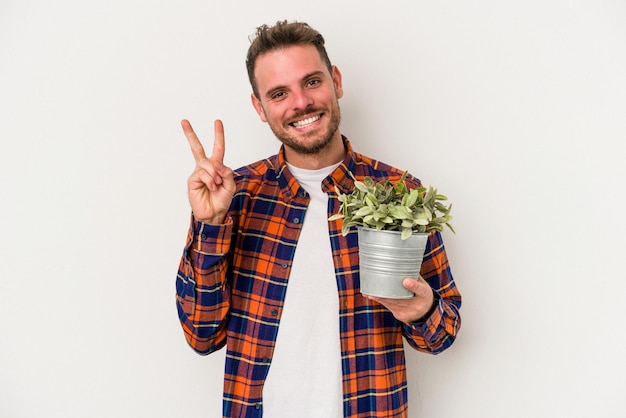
(340, 177)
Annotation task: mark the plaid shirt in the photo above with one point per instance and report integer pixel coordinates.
(232, 281)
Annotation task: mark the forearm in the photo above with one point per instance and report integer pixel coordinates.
(202, 290)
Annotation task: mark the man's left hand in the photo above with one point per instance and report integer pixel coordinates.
(413, 309)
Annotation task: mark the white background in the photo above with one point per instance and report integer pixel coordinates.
(515, 110)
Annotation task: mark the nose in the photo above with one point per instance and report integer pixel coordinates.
(301, 99)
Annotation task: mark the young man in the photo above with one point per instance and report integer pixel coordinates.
(266, 274)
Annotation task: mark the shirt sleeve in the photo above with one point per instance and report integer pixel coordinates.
(202, 289)
(437, 331)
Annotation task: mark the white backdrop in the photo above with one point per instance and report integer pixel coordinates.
(515, 110)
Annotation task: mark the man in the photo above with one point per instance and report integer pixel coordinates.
(266, 274)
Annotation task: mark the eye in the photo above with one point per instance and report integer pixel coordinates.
(313, 82)
(278, 95)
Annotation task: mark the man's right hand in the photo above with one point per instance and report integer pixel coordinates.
(211, 186)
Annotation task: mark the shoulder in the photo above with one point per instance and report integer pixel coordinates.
(259, 170)
(258, 179)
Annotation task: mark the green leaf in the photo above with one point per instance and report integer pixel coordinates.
(400, 187)
(365, 210)
(407, 223)
(412, 197)
(371, 221)
(423, 213)
(400, 212)
(360, 186)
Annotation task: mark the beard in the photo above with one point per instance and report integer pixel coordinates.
(310, 142)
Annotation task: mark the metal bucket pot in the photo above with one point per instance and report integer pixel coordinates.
(385, 260)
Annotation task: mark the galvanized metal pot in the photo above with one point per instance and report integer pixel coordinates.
(385, 260)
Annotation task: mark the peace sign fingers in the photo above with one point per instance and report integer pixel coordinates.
(211, 186)
(196, 146)
(219, 147)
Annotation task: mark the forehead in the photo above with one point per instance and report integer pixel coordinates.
(285, 66)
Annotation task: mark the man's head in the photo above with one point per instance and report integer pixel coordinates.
(296, 93)
(282, 35)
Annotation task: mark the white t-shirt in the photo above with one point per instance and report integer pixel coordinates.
(305, 378)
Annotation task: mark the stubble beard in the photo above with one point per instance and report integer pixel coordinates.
(310, 148)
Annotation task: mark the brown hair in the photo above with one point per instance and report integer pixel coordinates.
(282, 35)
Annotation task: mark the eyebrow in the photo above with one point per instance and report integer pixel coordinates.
(271, 91)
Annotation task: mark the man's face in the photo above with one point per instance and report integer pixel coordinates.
(298, 98)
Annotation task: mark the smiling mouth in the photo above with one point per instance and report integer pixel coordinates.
(305, 122)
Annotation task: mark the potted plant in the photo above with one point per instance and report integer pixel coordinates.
(393, 224)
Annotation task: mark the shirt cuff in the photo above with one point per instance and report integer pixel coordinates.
(209, 239)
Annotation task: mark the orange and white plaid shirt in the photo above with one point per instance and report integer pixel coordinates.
(232, 281)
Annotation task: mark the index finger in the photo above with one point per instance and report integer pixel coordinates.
(196, 146)
(219, 146)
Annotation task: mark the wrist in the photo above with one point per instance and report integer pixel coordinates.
(432, 308)
(215, 220)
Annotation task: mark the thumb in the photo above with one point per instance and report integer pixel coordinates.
(410, 284)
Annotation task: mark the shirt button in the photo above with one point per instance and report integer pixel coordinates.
(257, 406)
(203, 236)
(274, 312)
(296, 220)
(284, 265)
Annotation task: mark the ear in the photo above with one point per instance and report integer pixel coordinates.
(337, 82)
(256, 103)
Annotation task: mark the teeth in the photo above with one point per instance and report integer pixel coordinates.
(304, 122)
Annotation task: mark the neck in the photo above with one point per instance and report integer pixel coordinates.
(333, 153)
